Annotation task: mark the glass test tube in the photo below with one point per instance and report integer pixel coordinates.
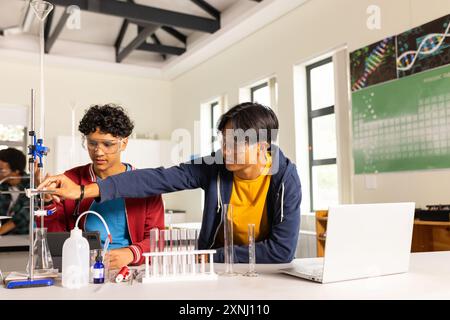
(227, 218)
(174, 248)
(203, 263)
(192, 245)
(251, 252)
(183, 247)
(164, 239)
(154, 247)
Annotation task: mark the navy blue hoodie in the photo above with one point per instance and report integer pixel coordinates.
(283, 200)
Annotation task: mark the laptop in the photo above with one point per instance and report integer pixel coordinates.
(362, 241)
(56, 242)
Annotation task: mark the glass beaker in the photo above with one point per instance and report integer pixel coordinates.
(42, 257)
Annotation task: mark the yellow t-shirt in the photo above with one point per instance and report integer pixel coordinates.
(248, 200)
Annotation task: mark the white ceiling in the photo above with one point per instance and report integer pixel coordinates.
(95, 40)
(103, 29)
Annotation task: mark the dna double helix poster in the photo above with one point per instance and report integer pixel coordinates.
(401, 101)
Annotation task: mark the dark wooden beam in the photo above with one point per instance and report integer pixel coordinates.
(175, 33)
(208, 8)
(157, 41)
(121, 35)
(140, 39)
(48, 25)
(59, 27)
(163, 49)
(144, 14)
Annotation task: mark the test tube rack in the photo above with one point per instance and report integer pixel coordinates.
(173, 266)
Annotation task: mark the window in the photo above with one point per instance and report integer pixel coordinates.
(13, 131)
(13, 136)
(261, 94)
(210, 113)
(323, 169)
(215, 115)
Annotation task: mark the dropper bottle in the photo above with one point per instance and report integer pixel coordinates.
(99, 269)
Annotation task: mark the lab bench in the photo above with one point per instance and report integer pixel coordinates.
(428, 278)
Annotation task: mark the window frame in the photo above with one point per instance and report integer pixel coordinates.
(212, 105)
(15, 144)
(312, 114)
(256, 88)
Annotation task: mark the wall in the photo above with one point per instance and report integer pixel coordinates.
(148, 101)
(311, 30)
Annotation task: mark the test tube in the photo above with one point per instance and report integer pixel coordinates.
(193, 263)
(251, 252)
(192, 239)
(183, 239)
(164, 239)
(147, 268)
(174, 248)
(183, 247)
(203, 263)
(227, 214)
(154, 247)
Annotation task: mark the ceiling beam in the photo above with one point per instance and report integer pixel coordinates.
(208, 8)
(157, 41)
(121, 35)
(163, 49)
(144, 14)
(140, 39)
(48, 25)
(59, 27)
(175, 33)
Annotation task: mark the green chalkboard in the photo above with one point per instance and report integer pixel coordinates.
(403, 124)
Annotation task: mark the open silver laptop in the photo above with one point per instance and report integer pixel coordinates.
(362, 241)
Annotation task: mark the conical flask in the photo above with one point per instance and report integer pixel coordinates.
(42, 258)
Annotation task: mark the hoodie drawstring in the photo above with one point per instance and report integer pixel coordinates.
(219, 199)
(282, 202)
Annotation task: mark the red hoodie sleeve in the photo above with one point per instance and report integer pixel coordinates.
(154, 218)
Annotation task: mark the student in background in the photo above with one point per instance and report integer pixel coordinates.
(105, 132)
(14, 180)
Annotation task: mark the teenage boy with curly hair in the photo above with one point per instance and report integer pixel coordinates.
(105, 130)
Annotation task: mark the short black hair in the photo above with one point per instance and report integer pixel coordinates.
(251, 115)
(108, 118)
(15, 158)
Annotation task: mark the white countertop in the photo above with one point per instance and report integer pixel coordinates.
(429, 278)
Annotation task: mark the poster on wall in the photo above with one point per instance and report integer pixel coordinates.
(423, 48)
(401, 101)
(373, 64)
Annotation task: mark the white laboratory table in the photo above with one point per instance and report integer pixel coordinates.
(429, 278)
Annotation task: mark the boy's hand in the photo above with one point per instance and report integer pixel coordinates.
(119, 258)
(66, 188)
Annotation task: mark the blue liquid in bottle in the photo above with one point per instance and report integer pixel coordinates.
(99, 270)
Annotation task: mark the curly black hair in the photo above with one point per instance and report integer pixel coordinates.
(108, 118)
(15, 158)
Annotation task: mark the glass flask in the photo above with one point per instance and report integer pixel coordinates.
(42, 259)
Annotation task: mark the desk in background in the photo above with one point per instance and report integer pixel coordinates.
(428, 236)
(14, 252)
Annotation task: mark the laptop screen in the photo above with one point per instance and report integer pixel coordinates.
(56, 242)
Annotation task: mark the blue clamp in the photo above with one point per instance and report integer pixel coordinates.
(38, 150)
